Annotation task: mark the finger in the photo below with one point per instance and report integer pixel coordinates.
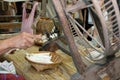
(30, 40)
(38, 36)
(29, 44)
(25, 34)
(32, 36)
(26, 44)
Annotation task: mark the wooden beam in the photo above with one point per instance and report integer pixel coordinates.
(44, 4)
(10, 25)
(6, 18)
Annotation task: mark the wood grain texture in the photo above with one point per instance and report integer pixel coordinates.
(63, 72)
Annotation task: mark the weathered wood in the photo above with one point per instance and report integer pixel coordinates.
(77, 6)
(6, 18)
(44, 3)
(63, 72)
(6, 36)
(74, 51)
(10, 25)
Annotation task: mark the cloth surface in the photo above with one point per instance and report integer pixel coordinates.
(11, 77)
(7, 67)
(8, 72)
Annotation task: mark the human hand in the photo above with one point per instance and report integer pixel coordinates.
(23, 40)
(28, 21)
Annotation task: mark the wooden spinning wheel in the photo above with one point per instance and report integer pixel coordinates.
(105, 15)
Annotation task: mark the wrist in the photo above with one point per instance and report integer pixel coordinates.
(7, 44)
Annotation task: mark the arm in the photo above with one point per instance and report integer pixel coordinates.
(4, 46)
(23, 40)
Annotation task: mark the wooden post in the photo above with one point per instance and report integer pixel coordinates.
(74, 51)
